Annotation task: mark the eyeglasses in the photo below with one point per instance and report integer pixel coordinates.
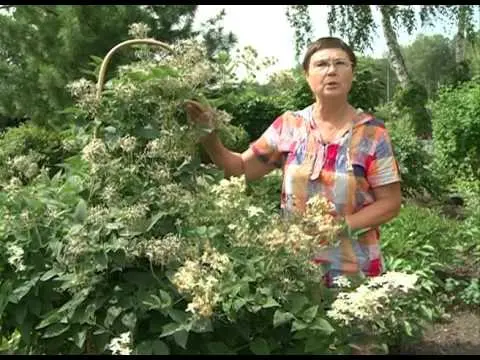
(324, 65)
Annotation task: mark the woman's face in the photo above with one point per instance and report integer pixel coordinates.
(330, 73)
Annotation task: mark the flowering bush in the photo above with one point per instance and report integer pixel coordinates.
(137, 247)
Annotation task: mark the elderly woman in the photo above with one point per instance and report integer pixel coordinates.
(329, 148)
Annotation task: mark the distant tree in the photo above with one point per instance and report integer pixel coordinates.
(431, 60)
(43, 47)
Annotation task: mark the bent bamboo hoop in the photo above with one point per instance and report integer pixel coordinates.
(101, 79)
(106, 60)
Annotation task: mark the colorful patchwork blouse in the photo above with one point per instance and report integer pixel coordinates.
(345, 171)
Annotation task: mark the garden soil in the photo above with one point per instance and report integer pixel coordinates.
(458, 336)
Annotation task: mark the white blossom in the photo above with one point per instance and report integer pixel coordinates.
(254, 211)
(139, 30)
(94, 151)
(15, 258)
(154, 148)
(127, 143)
(121, 345)
(342, 281)
(371, 299)
(81, 88)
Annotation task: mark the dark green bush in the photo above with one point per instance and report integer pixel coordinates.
(456, 131)
(412, 101)
(414, 160)
(45, 147)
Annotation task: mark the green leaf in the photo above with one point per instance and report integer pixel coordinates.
(85, 316)
(408, 328)
(55, 330)
(201, 231)
(270, 303)
(164, 71)
(50, 274)
(280, 317)
(112, 313)
(201, 325)
(35, 305)
(147, 132)
(178, 316)
(152, 347)
(53, 317)
(322, 325)
(101, 261)
(171, 328)
(5, 290)
(154, 219)
(239, 303)
(26, 330)
(129, 320)
(219, 348)
(299, 325)
(21, 312)
(160, 348)
(297, 302)
(428, 312)
(181, 338)
(80, 213)
(309, 314)
(314, 344)
(259, 346)
(79, 338)
(161, 302)
(139, 278)
(22, 290)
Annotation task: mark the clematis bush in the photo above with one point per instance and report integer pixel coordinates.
(136, 246)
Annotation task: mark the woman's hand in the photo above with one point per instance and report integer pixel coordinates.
(201, 116)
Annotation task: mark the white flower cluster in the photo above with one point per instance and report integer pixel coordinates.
(83, 91)
(95, 151)
(254, 211)
(291, 238)
(121, 345)
(305, 232)
(127, 143)
(77, 245)
(134, 212)
(15, 258)
(154, 148)
(98, 215)
(109, 194)
(139, 30)
(125, 90)
(26, 164)
(318, 220)
(199, 279)
(14, 184)
(342, 282)
(161, 251)
(371, 300)
(190, 58)
(81, 88)
(69, 144)
(228, 190)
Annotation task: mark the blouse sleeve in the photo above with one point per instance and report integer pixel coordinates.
(273, 143)
(382, 167)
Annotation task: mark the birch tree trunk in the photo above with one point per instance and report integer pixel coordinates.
(395, 55)
(460, 36)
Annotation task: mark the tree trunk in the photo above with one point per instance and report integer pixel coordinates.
(460, 37)
(396, 58)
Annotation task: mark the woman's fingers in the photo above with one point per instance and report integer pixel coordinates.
(197, 112)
